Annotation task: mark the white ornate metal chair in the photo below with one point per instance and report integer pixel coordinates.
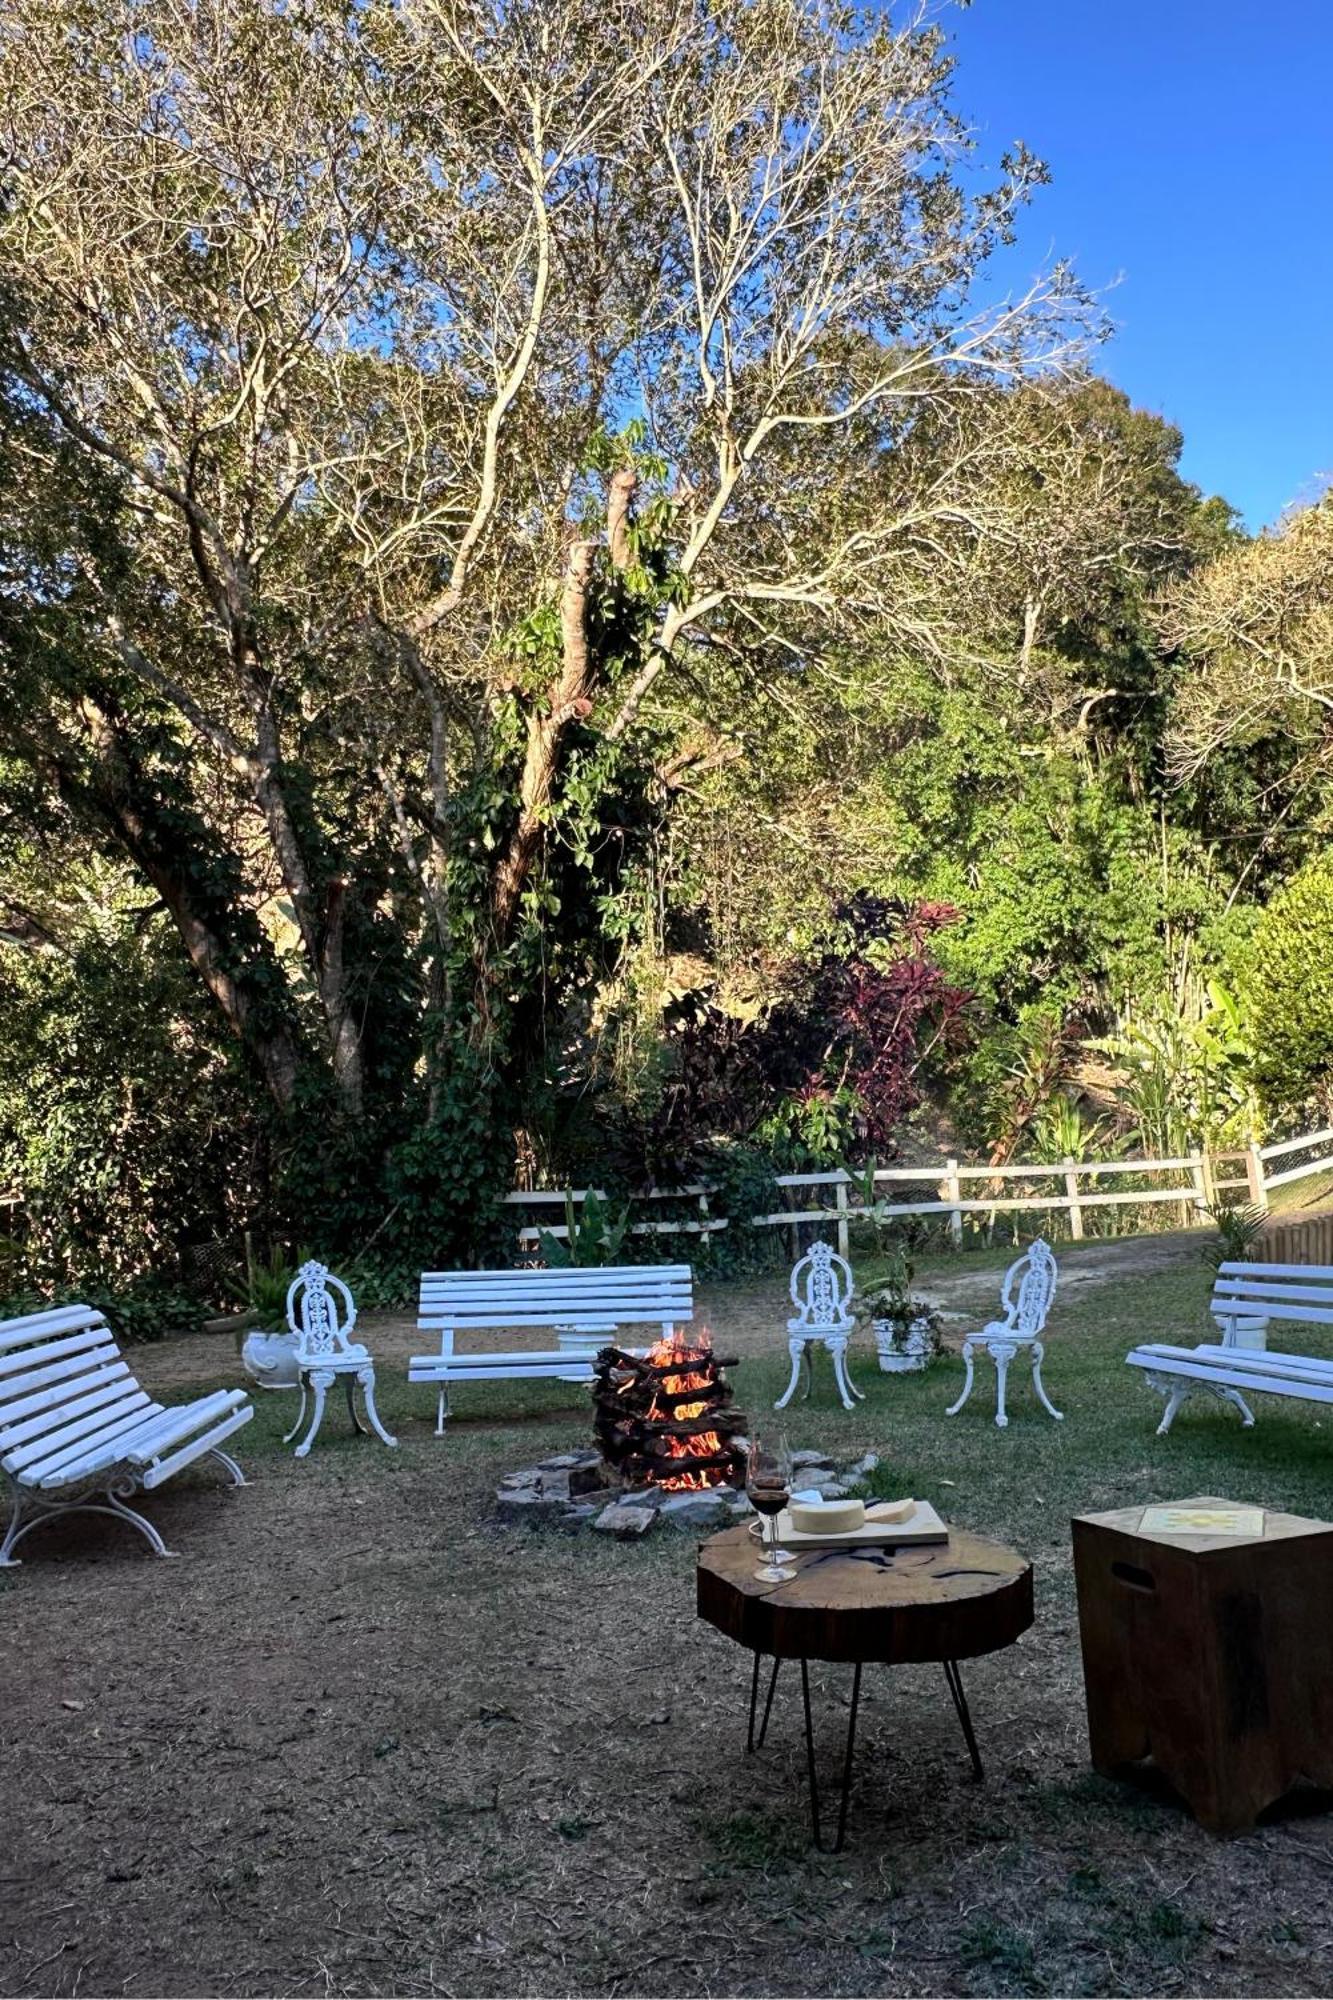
(1026, 1300)
(821, 1290)
(324, 1352)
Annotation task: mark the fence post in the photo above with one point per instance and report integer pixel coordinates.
(952, 1190)
(1254, 1173)
(1075, 1208)
(1200, 1176)
(840, 1196)
(1207, 1179)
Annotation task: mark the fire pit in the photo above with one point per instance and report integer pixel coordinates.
(665, 1419)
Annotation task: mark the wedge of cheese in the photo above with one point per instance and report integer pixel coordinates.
(827, 1517)
(891, 1511)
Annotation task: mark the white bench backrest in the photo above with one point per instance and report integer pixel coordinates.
(620, 1295)
(1278, 1291)
(63, 1384)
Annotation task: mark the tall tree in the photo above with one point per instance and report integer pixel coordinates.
(332, 602)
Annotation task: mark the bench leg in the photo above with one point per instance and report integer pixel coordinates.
(116, 1497)
(1247, 1414)
(1174, 1399)
(442, 1410)
(366, 1377)
(12, 1533)
(954, 1408)
(1038, 1356)
(238, 1478)
(796, 1348)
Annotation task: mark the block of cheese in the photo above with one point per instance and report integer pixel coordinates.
(891, 1511)
(827, 1517)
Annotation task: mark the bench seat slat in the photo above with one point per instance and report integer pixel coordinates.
(116, 1383)
(66, 1454)
(514, 1367)
(164, 1468)
(1184, 1361)
(154, 1430)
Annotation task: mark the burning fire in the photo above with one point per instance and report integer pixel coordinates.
(703, 1444)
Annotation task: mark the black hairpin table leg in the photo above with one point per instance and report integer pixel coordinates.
(846, 1761)
(753, 1742)
(955, 1680)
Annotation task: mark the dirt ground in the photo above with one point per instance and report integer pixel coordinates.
(359, 1738)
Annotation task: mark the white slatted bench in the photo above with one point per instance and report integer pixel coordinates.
(1299, 1292)
(584, 1308)
(78, 1432)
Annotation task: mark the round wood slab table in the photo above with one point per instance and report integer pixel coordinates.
(946, 1601)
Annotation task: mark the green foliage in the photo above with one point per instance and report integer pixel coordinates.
(812, 1129)
(264, 1287)
(123, 1118)
(137, 1313)
(893, 1301)
(1240, 1229)
(1063, 1130)
(1288, 995)
(1185, 1081)
(596, 1233)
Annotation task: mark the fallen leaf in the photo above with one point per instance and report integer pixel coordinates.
(77, 1706)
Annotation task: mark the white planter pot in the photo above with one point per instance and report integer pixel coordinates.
(901, 1357)
(269, 1359)
(1251, 1329)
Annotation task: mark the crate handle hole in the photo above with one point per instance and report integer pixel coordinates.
(1134, 1579)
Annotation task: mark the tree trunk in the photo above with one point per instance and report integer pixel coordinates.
(119, 799)
(568, 700)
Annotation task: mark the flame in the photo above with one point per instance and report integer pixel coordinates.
(704, 1444)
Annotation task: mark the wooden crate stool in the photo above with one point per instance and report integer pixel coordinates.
(1211, 1654)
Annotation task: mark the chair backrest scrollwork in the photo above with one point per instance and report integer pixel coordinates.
(1029, 1288)
(821, 1287)
(321, 1320)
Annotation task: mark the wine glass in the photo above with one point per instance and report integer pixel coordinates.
(768, 1484)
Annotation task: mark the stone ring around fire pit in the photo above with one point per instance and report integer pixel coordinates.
(942, 1603)
(577, 1489)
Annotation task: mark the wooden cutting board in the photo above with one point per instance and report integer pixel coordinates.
(921, 1526)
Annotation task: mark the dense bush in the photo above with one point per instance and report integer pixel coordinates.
(1288, 993)
(123, 1120)
(136, 1313)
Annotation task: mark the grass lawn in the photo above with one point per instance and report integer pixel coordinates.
(361, 1738)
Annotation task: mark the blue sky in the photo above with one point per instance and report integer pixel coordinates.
(1191, 144)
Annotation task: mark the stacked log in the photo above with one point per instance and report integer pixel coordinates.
(653, 1430)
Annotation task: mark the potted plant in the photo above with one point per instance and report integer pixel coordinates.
(906, 1329)
(268, 1350)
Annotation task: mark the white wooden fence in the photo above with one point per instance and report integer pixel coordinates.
(1197, 1179)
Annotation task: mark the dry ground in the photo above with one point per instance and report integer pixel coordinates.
(359, 1738)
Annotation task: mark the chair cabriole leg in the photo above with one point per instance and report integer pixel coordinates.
(366, 1377)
